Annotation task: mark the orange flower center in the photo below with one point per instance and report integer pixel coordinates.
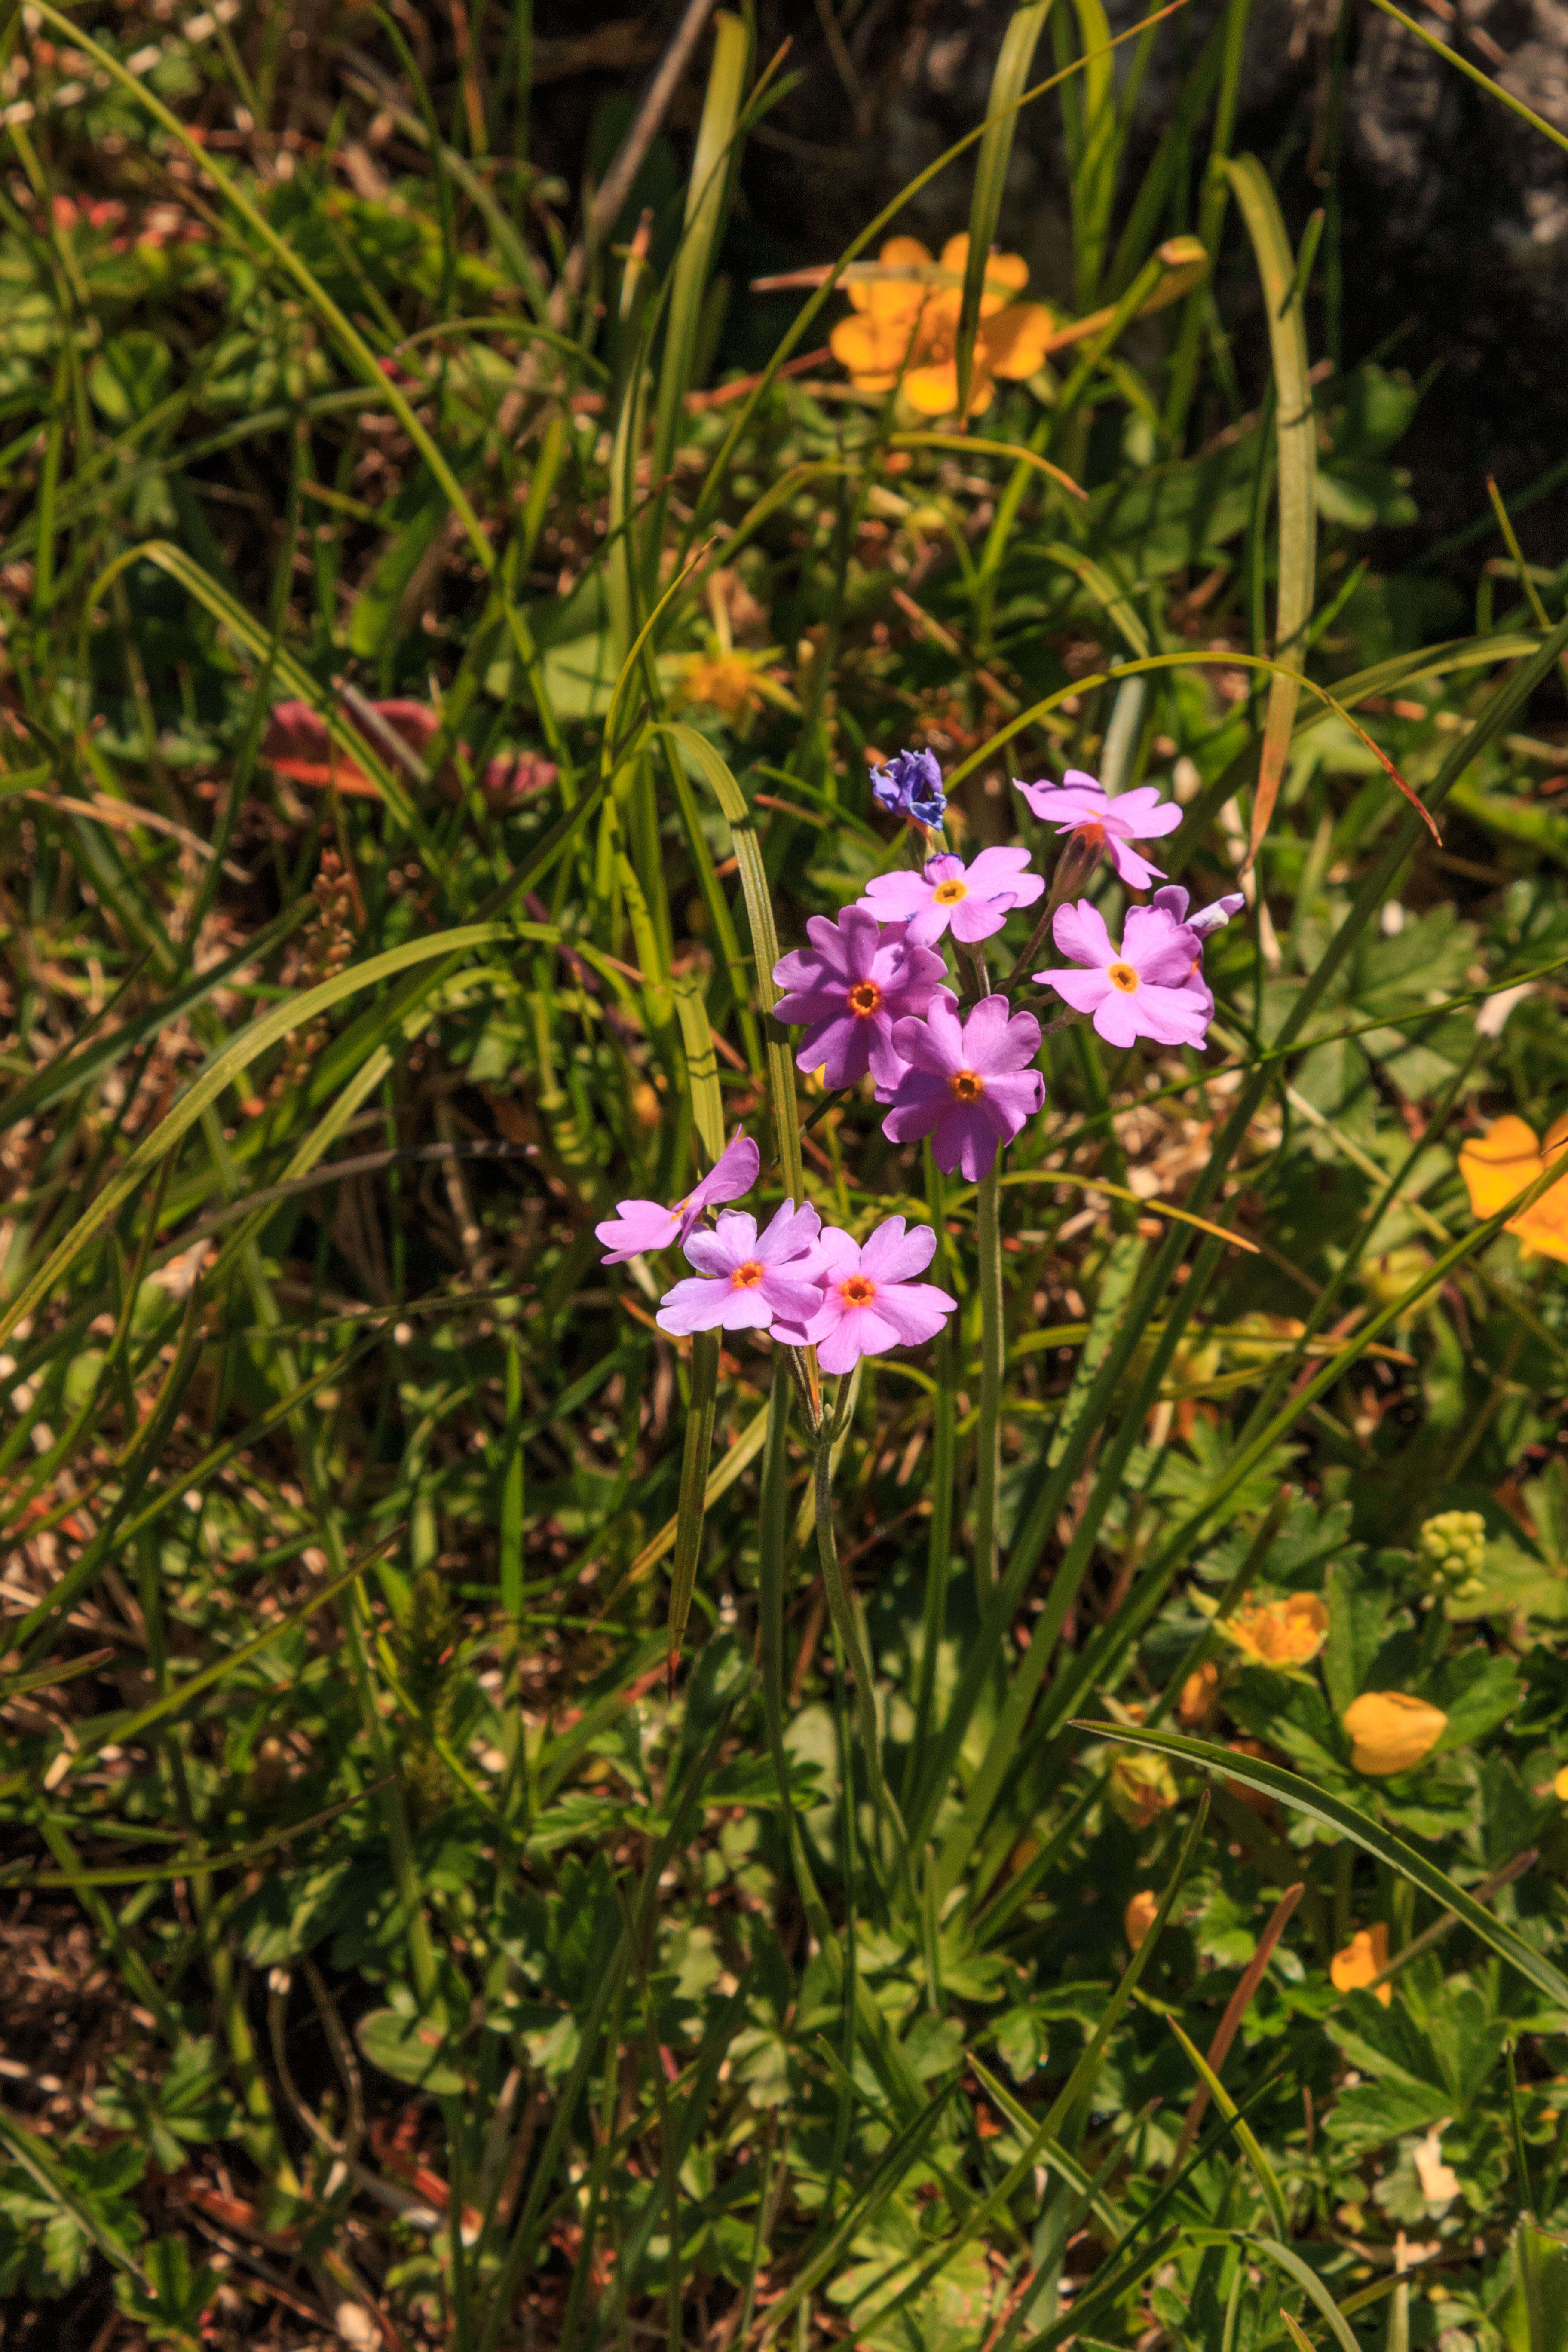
(863, 998)
(966, 1085)
(747, 1276)
(948, 894)
(858, 1291)
(1091, 830)
(1123, 976)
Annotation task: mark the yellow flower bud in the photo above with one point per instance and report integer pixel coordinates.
(1391, 1731)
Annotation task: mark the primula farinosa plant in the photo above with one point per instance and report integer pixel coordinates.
(952, 1059)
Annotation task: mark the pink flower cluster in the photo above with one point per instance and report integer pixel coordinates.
(869, 991)
(809, 1285)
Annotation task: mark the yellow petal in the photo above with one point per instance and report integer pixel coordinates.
(893, 298)
(1017, 338)
(1560, 1786)
(1391, 1731)
(1005, 273)
(869, 346)
(1363, 1957)
(1498, 1164)
(933, 391)
(1542, 1229)
(1139, 1916)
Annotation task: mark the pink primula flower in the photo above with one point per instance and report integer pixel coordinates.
(744, 1278)
(973, 900)
(1151, 986)
(640, 1226)
(968, 1086)
(849, 988)
(866, 1299)
(1080, 803)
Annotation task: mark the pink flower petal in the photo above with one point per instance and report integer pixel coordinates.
(1135, 871)
(893, 1253)
(1116, 1019)
(916, 1310)
(1171, 1016)
(892, 897)
(1144, 814)
(693, 1305)
(1004, 869)
(638, 1225)
(976, 919)
(1079, 931)
(1084, 991)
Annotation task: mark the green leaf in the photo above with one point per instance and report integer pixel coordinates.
(413, 2049)
(130, 376)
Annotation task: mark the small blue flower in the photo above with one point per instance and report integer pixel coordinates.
(910, 786)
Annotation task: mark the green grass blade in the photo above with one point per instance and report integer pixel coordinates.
(1263, 2171)
(1285, 2258)
(1007, 84)
(764, 940)
(713, 162)
(1296, 460)
(220, 1073)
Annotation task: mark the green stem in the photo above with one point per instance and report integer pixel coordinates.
(993, 1349)
(841, 1609)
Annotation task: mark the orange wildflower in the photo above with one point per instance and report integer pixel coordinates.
(1391, 1731)
(1363, 1957)
(1287, 1633)
(910, 323)
(1501, 1162)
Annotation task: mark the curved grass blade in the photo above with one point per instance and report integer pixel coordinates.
(1296, 443)
(1286, 2259)
(1016, 453)
(1262, 2170)
(1013, 62)
(764, 939)
(1484, 81)
(712, 163)
(1347, 1822)
(220, 1073)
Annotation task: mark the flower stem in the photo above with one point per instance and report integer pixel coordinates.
(988, 1433)
(842, 1611)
